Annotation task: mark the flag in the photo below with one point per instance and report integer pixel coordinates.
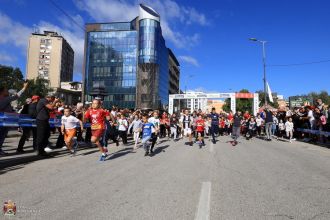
(269, 93)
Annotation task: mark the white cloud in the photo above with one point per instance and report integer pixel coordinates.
(190, 60)
(171, 13)
(16, 34)
(13, 33)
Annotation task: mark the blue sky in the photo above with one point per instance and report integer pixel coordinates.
(209, 39)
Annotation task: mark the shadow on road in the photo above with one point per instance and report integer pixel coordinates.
(159, 150)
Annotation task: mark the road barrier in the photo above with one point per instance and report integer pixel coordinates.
(317, 132)
(21, 120)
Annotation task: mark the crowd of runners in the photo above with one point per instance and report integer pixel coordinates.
(111, 126)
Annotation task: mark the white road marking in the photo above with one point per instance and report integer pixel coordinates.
(203, 211)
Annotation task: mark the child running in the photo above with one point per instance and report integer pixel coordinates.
(200, 127)
(69, 129)
(146, 134)
(97, 116)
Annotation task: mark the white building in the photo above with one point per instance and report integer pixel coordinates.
(195, 104)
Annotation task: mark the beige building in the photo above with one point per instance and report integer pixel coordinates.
(217, 104)
(50, 57)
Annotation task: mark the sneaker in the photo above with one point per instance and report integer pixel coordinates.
(102, 157)
(64, 148)
(75, 146)
(147, 153)
(48, 150)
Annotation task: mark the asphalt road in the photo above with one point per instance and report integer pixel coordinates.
(253, 180)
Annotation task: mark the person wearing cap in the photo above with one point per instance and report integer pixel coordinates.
(25, 130)
(5, 106)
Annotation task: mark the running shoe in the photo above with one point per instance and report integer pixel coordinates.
(102, 157)
(48, 150)
(64, 148)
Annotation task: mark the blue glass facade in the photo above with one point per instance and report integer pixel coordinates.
(153, 50)
(130, 60)
(111, 61)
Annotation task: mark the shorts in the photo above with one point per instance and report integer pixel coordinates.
(69, 134)
(98, 133)
(200, 133)
(187, 131)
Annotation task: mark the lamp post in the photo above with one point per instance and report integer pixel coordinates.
(264, 64)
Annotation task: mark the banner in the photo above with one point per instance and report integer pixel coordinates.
(269, 93)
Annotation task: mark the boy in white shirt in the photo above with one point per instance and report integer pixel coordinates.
(122, 128)
(289, 127)
(68, 129)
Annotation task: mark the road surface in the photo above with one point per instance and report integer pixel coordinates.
(253, 180)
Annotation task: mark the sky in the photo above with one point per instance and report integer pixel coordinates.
(209, 38)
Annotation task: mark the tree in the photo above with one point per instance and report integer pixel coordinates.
(11, 78)
(322, 95)
(262, 99)
(241, 104)
(38, 86)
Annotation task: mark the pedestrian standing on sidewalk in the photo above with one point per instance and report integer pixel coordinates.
(26, 130)
(43, 128)
(122, 127)
(5, 106)
(269, 123)
(281, 129)
(33, 114)
(259, 122)
(237, 120)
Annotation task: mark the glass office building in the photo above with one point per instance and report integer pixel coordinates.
(129, 61)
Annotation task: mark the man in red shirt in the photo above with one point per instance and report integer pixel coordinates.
(97, 117)
(200, 127)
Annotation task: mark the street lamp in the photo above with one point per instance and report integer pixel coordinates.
(264, 64)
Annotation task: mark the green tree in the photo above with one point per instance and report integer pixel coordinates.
(262, 99)
(38, 86)
(241, 104)
(322, 95)
(11, 78)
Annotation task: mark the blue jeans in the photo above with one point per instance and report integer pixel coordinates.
(145, 143)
